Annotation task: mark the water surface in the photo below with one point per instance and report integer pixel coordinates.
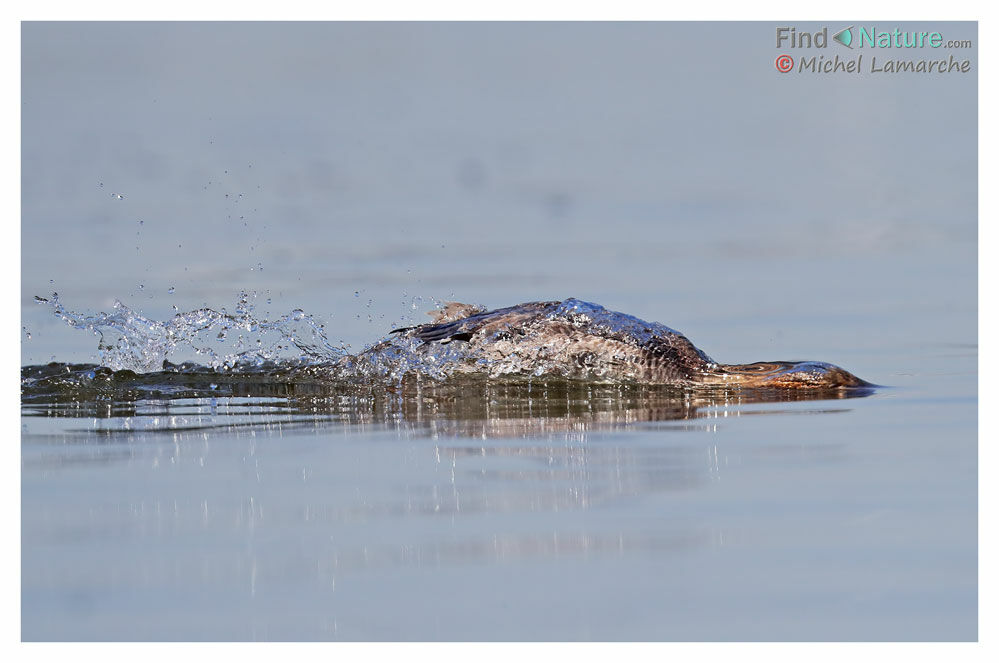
(338, 180)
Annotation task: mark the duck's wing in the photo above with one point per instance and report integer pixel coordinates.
(486, 322)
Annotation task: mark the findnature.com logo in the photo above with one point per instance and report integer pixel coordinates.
(869, 37)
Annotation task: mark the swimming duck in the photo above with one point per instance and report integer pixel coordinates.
(579, 340)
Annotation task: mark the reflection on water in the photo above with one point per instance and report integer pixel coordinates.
(165, 422)
(221, 506)
(186, 403)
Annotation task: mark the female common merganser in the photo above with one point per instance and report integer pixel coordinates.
(578, 340)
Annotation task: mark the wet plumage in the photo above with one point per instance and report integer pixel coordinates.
(579, 340)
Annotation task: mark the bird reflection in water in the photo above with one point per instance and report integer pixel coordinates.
(544, 450)
(460, 407)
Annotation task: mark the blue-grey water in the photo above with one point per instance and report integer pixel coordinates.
(364, 172)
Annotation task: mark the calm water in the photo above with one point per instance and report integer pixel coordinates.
(359, 173)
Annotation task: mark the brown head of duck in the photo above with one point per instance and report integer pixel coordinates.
(783, 375)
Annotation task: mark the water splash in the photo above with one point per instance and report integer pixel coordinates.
(393, 359)
(243, 342)
(570, 340)
(228, 341)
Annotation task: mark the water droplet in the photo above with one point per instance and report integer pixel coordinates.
(27, 334)
(213, 386)
(357, 293)
(141, 287)
(171, 290)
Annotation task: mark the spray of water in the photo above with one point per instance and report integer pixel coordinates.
(226, 341)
